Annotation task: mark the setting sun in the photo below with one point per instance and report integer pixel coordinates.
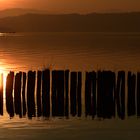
(4, 4)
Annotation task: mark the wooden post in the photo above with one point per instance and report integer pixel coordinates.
(88, 94)
(46, 93)
(23, 93)
(93, 94)
(1, 94)
(58, 93)
(67, 93)
(138, 94)
(31, 94)
(17, 94)
(79, 89)
(131, 104)
(120, 94)
(9, 94)
(100, 95)
(73, 93)
(108, 91)
(113, 89)
(54, 94)
(106, 96)
(38, 95)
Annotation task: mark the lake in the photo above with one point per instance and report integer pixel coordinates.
(74, 51)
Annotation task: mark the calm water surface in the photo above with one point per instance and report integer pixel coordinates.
(77, 51)
(74, 51)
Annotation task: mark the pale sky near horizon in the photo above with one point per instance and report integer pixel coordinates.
(79, 6)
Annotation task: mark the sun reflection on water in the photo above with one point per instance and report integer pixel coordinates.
(3, 75)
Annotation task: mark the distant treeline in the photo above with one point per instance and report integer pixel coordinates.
(112, 22)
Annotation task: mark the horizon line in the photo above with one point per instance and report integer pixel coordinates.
(64, 12)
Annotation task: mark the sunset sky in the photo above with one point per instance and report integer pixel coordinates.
(79, 6)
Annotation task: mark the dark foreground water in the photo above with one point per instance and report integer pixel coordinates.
(74, 51)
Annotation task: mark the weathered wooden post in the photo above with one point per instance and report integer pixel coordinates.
(138, 94)
(100, 95)
(93, 94)
(54, 94)
(23, 93)
(79, 89)
(1, 94)
(31, 94)
(38, 95)
(131, 104)
(9, 94)
(120, 94)
(106, 89)
(108, 94)
(46, 93)
(73, 93)
(88, 94)
(67, 93)
(112, 90)
(17, 94)
(58, 93)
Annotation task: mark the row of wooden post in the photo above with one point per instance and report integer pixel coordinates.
(59, 93)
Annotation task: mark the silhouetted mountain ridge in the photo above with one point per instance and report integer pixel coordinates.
(19, 11)
(94, 22)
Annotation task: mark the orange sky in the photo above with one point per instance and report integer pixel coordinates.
(82, 6)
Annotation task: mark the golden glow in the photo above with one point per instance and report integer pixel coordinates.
(5, 4)
(72, 6)
(3, 75)
(1, 81)
(3, 1)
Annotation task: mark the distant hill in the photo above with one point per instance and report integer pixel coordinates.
(19, 11)
(116, 22)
